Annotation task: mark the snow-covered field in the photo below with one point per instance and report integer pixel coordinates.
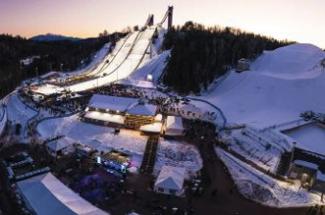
(280, 85)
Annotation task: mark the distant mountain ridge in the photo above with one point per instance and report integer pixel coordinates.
(53, 37)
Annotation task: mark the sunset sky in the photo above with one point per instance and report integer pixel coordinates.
(299, 20)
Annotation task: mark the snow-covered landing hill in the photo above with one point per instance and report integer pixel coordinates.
(280, 85)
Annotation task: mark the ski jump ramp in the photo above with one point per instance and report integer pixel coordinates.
(124, 60)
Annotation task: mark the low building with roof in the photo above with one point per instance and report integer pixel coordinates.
(174, 126)
(170, 180)
(128, 112)
(47, 195)
(62, 146)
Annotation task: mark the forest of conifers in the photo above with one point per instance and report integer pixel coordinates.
(200, 54)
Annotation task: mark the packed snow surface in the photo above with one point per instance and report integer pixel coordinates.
(280, 85)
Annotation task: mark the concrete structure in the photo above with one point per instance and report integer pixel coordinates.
(170, 180)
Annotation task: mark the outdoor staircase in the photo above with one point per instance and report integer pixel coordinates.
(149, 156)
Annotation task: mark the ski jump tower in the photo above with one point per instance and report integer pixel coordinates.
(170, 16)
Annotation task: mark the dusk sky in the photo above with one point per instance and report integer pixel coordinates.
(299, 20)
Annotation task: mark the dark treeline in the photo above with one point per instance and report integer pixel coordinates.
(200, 54)
(53, 56)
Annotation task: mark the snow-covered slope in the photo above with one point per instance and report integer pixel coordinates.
(153, 67)
(281, 84)
(298, 61)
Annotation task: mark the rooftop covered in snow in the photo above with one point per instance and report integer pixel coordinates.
(130, 106)
(174, 126)
(310, 137)
(171, 178)
(47, 195)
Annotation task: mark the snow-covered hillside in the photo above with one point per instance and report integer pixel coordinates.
(280, 85)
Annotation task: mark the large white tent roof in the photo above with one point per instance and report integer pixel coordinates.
(171, 177)
(143, 109)
(111, 102)
(48, 196)
(122, 104)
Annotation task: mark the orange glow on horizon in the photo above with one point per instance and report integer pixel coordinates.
(297, 20)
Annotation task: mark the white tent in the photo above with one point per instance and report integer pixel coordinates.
(174, 126)
(46, 195)
(170, 180)
(152, 128)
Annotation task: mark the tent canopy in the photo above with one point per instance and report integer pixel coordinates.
(48, 196)
(171, 178)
